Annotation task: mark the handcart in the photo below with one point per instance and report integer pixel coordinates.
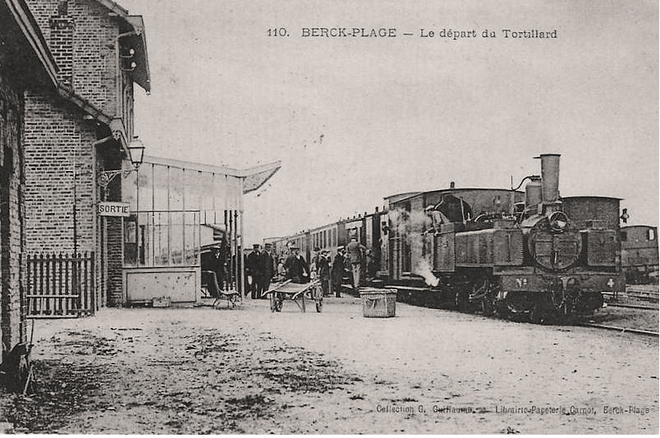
(295, 292)
(210, 289)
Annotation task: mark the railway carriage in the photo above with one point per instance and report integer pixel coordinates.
(639, 254)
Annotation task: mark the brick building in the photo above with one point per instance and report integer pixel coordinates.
(25, 66)
(77, 132)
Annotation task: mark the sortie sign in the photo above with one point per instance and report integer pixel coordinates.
(114, 209)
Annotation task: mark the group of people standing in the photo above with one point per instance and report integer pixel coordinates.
(329, 271)
(261, 266)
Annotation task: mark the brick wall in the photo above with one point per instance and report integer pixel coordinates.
(61, 160)
(88, 64)
(13, 310)
(58, 164)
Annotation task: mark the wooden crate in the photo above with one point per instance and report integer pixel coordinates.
(378, 303)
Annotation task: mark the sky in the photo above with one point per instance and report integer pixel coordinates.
(354, 119)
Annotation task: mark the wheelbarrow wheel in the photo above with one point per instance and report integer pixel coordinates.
(275, 302)
(317, 295)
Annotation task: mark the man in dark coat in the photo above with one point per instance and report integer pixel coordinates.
(338, 271)
(268, 267)
(217, 265)
(253, 269)
(296, 267)
(323, 271)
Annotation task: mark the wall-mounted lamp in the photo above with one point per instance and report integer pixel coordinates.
(135, 154)
(131, 53)
(133, 67)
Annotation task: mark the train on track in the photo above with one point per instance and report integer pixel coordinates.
(528, 255)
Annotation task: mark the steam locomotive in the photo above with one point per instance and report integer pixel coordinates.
(526, 255)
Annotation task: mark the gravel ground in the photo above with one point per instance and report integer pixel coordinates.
(249, 371)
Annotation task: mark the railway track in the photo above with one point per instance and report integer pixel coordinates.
(632, 306)
(635, 292)
(642, 293)
(620, 329)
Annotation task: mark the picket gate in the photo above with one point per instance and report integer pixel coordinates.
(60, 285)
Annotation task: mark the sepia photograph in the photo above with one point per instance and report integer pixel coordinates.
(305, 217)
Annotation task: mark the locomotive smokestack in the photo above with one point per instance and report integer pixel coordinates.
(550, 177)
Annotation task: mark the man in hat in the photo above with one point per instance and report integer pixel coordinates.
(323, 270)
(253, 269)
(338, 271)
(296, 267)
(355, 252)
(268, 267)
(314, 262)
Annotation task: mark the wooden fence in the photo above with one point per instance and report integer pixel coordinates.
(60, 285)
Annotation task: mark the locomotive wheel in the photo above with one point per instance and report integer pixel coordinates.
(518, 307)
(487, 306)
(275, 302)
(540, 315)
(462, 301)
(318, 297)
(501, 309)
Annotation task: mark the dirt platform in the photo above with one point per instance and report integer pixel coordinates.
(250, 371)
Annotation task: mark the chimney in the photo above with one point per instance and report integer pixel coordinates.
(62, 27)
(550, 177)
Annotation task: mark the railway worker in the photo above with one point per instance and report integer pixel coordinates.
(253, 269)
(268, 267)
(337, 271)
(355, 252)
(437, 218)
(323, 271)
(296, 267)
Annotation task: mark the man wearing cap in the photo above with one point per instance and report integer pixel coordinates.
(296, 267)
(253, 269)
(323, 271)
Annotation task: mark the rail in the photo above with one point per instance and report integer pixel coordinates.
(620, 329)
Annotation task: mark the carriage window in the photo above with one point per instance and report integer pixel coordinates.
(651, 234)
